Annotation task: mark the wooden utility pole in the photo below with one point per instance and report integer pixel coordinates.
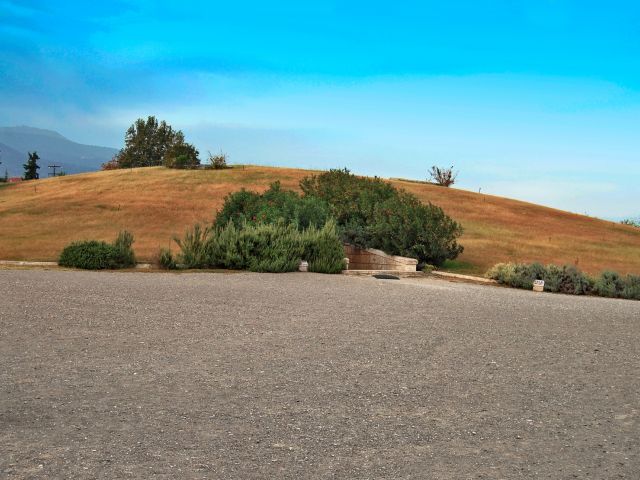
(53, 172)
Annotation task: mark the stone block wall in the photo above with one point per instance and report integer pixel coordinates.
(372, 259)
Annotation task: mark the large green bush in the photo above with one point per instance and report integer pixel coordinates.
(368, 213)
(352, 199)
(95, 255)
(263, 247)
(566, 279)
(402, 225)
(372, 213)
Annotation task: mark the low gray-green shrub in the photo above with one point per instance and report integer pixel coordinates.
(96, 255)
(631, 288)
(554, 278)
(609, 284)
(612, 284)
(574, 281)
(566, 279)
(518, 275)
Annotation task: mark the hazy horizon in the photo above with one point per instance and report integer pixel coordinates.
(538, 101)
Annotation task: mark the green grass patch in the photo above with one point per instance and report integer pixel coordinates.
(459, 266)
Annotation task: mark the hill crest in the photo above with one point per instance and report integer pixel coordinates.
(156, 203)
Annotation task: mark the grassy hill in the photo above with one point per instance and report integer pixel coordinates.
(39, 218)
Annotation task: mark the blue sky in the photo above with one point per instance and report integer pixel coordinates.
(534, 100)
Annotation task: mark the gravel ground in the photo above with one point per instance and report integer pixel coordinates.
(138, 375)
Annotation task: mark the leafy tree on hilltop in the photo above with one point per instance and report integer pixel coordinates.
(31, 167)
(147, 143)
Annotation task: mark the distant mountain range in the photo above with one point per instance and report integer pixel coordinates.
(53, 148)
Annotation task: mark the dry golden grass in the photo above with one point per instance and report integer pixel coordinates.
(39, 218)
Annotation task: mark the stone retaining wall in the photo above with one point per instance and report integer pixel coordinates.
(372, 259)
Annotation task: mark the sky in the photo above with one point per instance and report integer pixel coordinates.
(535, 100)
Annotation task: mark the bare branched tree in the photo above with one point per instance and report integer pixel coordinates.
(218, 161)
(443, 176)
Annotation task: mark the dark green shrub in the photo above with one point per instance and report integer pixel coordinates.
(352, 199)
(368, 213)
(95, 255)
(272, 206)
(402, 225)
(609, 284)
(373, 213)
(90, 255)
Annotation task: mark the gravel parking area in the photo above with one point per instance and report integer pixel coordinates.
(201, 375)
